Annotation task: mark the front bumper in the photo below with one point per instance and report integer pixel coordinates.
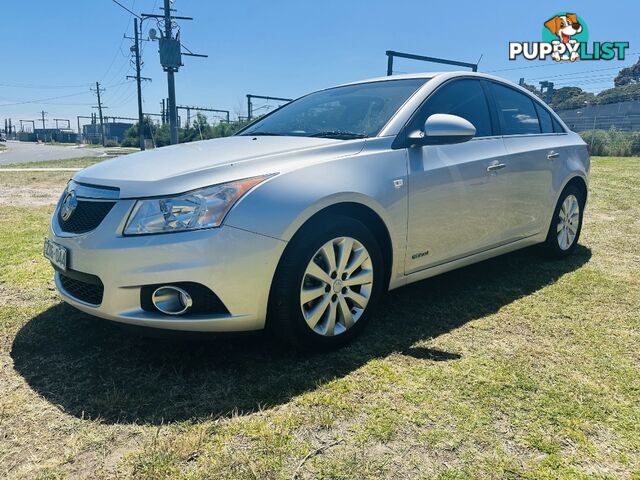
(237, 265)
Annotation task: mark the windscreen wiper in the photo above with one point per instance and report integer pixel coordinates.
(263, 134)
(339, 134)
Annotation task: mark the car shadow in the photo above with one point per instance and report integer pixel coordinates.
(94, 369)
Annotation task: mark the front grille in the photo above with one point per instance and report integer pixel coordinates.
(84, 287)
(86, 216)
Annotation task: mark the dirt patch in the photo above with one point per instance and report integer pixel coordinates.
(32, 189)
(17, 297)
(28, 197)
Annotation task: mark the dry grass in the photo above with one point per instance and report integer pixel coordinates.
(517, 368)
(79, 162)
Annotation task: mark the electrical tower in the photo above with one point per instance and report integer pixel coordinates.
(547, 91)
(250, 97)
(202, 109)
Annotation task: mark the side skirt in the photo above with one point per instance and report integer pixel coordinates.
(467, 260)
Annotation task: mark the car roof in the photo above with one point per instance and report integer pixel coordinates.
(429, 76)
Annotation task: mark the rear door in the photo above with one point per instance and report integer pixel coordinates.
(534, 154)
(456, 204)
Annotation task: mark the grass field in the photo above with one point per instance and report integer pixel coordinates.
(515, 368)
(80, 162)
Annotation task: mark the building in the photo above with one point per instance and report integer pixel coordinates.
(112, 131)
(48, 135)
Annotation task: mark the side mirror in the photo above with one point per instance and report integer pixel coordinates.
(442, 129)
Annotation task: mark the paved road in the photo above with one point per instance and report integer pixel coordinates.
(22, 152)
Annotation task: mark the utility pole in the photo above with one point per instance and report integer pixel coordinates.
(163, 112)
(171, 61)
(136, 51)
(171, 81)
(99, 107)
(43, 113)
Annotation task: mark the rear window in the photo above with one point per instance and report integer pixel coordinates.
(557, 128)
(546, 125)
(516, 111)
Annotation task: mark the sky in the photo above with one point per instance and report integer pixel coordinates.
(54, 52)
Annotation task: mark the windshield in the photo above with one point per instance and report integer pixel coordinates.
(352, 111)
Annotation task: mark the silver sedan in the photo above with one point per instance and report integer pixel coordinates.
(301, 221)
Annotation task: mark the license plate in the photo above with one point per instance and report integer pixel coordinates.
(56, 254)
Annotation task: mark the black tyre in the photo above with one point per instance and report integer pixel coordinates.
(327, 284)
(566, 224)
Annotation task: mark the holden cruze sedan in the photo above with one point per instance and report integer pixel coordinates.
(300, 222)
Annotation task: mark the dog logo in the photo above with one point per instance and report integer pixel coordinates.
(69, 205)
(564, 27)
(565, 37)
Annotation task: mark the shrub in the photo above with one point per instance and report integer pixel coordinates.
(612, 142)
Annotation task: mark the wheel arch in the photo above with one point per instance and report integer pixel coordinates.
(580, 183)
(363, 213)
(576, 179)
(358, 211)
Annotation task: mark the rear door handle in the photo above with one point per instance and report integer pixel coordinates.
(497, 166)
(553, 156)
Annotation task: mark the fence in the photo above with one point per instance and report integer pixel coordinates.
(623, 116)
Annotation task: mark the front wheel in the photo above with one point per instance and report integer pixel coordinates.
(328, 282)
(566, 224)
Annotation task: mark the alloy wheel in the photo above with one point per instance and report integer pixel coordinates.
(336, 286)
(568, 222)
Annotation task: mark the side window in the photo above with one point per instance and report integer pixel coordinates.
(515, 110)
(464, 98)
(557, 128)
(545, 118)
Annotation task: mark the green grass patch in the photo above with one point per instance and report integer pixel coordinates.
(518, 367)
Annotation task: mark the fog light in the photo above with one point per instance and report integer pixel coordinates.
(171, 300)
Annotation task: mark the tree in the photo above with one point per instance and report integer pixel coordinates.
(532, 89)
(131, 134)
(625, 93)
(198, 130)
(628, 76)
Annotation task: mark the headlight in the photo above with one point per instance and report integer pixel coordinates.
(203, 208)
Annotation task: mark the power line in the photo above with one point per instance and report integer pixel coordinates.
(43, 87)
(119, 49)
(130, 11)
(42, 100)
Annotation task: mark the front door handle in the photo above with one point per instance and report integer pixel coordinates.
(497, 166)
(553, 155)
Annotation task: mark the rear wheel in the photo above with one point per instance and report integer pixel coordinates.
(328, 282)
(566, 224)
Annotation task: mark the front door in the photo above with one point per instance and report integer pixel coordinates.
(456, 192)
